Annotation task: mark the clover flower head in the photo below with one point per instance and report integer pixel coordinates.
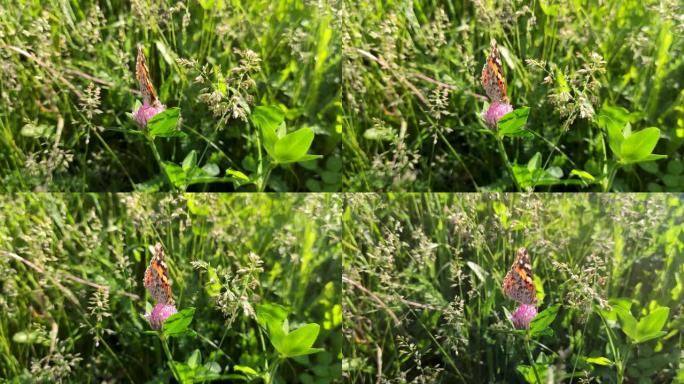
(523, 315)
(495, 112)
(159, 314)
(146, 111)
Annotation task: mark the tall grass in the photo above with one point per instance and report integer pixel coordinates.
(67, 84)
(422, 288)
(73, 300)
(413, 97)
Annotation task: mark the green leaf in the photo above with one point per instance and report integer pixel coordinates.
(195, 359)
(584, 175)
(211, 169)
(599, 360)
(293, 146)
(271, 314)
(543, 320)
(527, 372)
(190, 161)
(164, 124)
(513, 123)
(299, 341)
(650, 327)
(175, 174)
(639, 145)
(177, 324)
(268, 119)
(627, 322)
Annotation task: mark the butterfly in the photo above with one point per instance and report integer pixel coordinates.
(142, 73)
(518, 283)
(157, 279)
(493, 79)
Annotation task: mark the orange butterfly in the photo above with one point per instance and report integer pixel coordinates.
(157, 278)
(518, 283)
(143, 75)
(493, 79)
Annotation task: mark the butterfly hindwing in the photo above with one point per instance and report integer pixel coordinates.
(157, 279)
(493, 80)
(142, 73)
(519, 283)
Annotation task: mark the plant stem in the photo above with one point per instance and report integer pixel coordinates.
(264, 180)
(169, 357)
(157, 157)
(529, 356)
(273, 370)
(502, 150)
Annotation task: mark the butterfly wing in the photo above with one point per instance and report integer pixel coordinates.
(157, 279)
(493, 80)
(143, 75)
(518, 283)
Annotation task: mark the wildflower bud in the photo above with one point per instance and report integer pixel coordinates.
(146, 112)
(495, 112)
(523, 316)
(159, 314)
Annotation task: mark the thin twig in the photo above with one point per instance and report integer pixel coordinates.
(67, 276)
(374, 297)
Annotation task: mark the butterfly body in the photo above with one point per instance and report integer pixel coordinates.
(157, 279)
(493, 80)
(142, 73)
(519, 283)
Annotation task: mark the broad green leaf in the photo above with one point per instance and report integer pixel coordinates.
(651, 326)
(513, 123)
(268, 119)
(211, 169)
(177, 324)
(299, 341)
(627, 322)
(36, 131)
(599, 360)
(613, 117)
(195, 359)
(535, 162)
(637, 146)
(175, 174)
(543, 320)
(293, 146)
(164, 124)
(190, 161)
(527, 372)
(271, 315)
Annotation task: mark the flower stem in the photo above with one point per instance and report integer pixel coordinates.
(502, 150)
(529, 356)
(157, 157)
(169, 357)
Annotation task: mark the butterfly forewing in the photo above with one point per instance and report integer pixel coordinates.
(493, 80)
(157, 279)
(519, 283)
(143, 75)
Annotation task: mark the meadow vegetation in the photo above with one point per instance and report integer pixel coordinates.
(422, 297)
(597, 88)
(68, 87)
(256, 280)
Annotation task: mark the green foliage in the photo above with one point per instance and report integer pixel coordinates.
(413, 98)
(423, 275)
(77, 296)
(69, 86)
(177, 324)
